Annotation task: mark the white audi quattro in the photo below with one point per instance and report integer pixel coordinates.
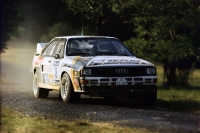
(92, 65)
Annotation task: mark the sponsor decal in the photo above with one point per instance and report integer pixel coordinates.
(73, 73)
(56, 72)
(75, 83)
(56, 63)
(45, 79)
(84, 59)
(50, 69)
(51, 76)
(38, 61)
(105, 62)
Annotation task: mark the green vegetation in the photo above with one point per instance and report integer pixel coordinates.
(184, 99)
(179, 98)
(15, 122)
(166, 32)
(10, 20)
(99, 12)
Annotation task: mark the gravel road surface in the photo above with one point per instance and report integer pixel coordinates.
(16, 93)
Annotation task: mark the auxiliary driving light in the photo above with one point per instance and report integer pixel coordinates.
(151, 71)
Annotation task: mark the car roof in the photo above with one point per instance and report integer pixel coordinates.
(68, 37)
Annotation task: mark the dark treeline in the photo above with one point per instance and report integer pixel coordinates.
(44, 20)
(166, 31)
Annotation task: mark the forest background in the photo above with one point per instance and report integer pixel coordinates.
(165, 31)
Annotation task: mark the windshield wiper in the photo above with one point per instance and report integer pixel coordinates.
(105, 53)
(78, 53)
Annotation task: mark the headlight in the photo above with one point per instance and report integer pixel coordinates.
(151, 70)
(87, 72)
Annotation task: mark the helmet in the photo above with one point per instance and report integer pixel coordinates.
(103, 47)
(74, 47)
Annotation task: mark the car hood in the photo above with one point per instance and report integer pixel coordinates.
(112, 61)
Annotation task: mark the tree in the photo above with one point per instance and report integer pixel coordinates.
(167, 31)
(99, 12)
(61, 29)
(10, 20)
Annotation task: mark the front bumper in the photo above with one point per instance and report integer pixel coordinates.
(110, 84)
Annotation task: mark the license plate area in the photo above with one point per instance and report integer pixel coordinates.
(121, 81)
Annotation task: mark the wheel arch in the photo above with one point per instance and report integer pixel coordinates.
(63, 74)
(34, 71)
(69, 77)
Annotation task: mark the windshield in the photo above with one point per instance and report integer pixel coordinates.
(96, 46)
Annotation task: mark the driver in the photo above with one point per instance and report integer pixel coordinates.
(74, 47)
(103, 47)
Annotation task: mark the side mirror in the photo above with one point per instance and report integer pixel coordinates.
(56, 56)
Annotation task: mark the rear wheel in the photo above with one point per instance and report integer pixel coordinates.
(37, 91)
(66, 90)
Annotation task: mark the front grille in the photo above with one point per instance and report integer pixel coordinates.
(120, 71)
(118, 81)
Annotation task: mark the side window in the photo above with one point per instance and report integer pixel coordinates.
(49, 50)
(59, 47)
(73, 47)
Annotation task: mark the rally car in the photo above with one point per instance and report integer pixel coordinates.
(92, 65)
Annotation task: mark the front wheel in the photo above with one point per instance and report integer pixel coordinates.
(66, 90)
(37, 91)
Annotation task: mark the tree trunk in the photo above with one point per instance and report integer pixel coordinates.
(98, 26)
(170, 72)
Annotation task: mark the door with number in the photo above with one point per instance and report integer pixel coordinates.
(55, 63)
(51, 63)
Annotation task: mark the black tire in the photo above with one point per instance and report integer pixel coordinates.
(76, 97)
(37, 91)
(148, 98)
(66, 90)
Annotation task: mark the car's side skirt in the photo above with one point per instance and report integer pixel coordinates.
(54, 87)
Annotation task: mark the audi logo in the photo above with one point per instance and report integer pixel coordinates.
(121, 71)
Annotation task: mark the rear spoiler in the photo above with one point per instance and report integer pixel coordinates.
(39, 47)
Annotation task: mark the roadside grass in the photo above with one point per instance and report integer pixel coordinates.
(179, 98)
(185, 99)
(15, 122)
